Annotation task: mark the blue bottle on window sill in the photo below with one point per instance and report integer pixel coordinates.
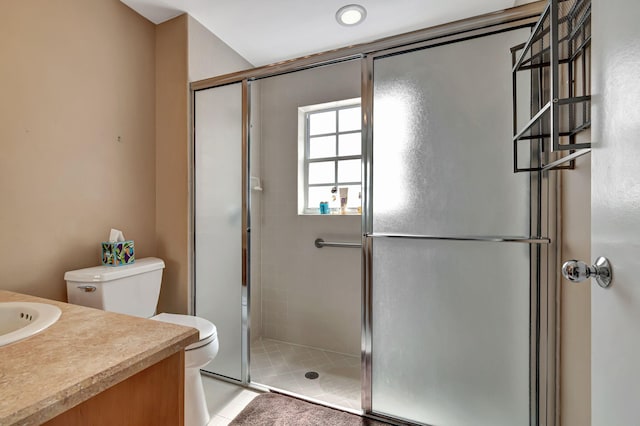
(324, 207)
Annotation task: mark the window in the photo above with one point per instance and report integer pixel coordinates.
(332, 156)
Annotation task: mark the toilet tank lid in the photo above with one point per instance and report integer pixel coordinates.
(98, 274)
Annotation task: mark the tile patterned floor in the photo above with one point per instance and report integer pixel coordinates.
(283, 365)
(225, 400)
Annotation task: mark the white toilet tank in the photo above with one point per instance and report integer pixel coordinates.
(131, 289)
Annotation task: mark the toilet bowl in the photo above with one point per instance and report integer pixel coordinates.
(134, 290)
(196, 356)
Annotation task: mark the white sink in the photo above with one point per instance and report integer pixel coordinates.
(19, 320)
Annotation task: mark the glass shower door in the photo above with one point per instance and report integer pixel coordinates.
(450, 300)
(218, 221)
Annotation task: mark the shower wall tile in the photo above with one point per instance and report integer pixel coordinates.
(271, 329)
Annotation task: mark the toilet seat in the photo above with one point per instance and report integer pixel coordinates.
(207, 331)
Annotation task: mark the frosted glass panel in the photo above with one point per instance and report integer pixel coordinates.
(451, 332)
(218, 207)
(442, 141)
(450, 319)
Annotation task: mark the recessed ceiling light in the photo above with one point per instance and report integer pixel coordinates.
(351, 14)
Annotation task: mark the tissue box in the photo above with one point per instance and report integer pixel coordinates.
(118, 253)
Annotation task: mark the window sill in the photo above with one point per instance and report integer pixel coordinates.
(355, 213)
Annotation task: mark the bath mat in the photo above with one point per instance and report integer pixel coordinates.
(271, 409)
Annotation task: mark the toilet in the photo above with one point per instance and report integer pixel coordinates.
(134, 290)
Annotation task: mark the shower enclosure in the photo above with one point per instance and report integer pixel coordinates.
(445, 316)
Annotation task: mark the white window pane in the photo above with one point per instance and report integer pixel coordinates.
(350, 119)
(316, 195)
(322, 172)
(355, 197)
(323, 146)
(322, 122)
(349, 171)
(350, 144)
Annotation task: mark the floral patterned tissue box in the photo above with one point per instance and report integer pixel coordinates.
(118, 253)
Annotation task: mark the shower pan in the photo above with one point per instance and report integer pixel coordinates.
(439, 309)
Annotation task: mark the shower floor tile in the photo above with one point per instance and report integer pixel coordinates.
(283, 365)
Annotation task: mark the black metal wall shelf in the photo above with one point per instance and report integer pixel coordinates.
(558, 58)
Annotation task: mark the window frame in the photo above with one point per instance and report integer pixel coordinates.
(317, 109)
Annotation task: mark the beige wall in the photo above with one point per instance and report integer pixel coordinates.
(78, 125)
(185, 51)
(209, 56)
(311, 296)
(575, 316)
(172, 162)
(75, 76)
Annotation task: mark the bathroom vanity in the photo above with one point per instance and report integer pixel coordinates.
(94, 367)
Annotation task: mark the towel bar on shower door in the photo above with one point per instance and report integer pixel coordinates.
(319, 242)
(494, 239)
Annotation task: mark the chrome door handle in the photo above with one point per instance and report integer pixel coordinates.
(577, 271)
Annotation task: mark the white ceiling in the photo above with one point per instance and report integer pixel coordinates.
(268, 31)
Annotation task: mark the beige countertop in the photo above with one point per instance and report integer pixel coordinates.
(85, 352)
